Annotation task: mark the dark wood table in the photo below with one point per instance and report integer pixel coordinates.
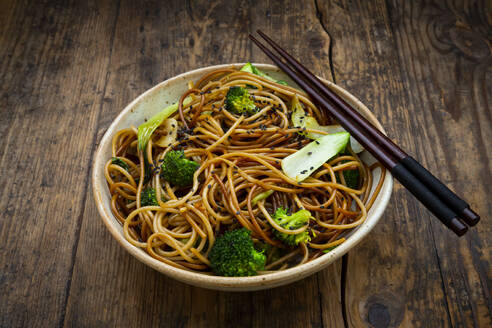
(68, 67)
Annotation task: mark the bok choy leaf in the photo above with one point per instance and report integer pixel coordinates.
(302, 163)
(250, 68)
(146, 129)
(301, 119)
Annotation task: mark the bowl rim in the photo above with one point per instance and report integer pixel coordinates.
(268, 280)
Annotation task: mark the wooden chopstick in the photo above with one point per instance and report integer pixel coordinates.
(414, 185)
(457, 204)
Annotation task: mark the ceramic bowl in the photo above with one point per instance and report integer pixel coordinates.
(169, 91)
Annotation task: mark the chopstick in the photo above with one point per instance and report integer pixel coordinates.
(441, 201)
(457, 204)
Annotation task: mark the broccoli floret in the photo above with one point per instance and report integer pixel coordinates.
(148, 197)
(177, 169)
(292, 222)
(120, 162)
(263, 247)
(239, 101)
(233, 255)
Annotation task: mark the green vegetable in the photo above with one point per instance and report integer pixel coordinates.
(292, 222)
(301, 119)
(302, 163)
(146, 129)
(147, 170)
(239, 101)
(233, 255)
(262, 196)
(250, 68)
(263, 247)
(120, 162)
(148, 197)
(177, 169)
(329, 249)
(351, 178)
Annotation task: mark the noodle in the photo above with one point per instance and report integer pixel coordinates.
(239, 159)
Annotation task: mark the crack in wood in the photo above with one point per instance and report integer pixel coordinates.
(319, 15)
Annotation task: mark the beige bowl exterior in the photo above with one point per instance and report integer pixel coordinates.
(169, 91)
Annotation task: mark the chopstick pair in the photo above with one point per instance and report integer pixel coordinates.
(431, 192)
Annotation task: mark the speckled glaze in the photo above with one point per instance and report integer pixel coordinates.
(167, 92)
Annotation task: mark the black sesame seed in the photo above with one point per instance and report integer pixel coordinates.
(310, 153)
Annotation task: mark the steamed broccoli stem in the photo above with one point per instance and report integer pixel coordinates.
(239, 101)
(293, 221)
(148, 197)
(262, 196)
(234, 255)
(120, 162)
(177, 169)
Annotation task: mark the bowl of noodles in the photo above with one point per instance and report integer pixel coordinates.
(228, 177)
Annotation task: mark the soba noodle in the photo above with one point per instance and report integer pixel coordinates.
(239, 159)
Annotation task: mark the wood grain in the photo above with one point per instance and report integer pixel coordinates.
(68, 68)
(53, 67)
(423, 67)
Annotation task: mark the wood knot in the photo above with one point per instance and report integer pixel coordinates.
(378, 315)
(383, 310)
(469, 43)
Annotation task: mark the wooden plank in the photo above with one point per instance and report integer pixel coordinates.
(451, 44)
(423, 67)
(153, 42)
(49, 102)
